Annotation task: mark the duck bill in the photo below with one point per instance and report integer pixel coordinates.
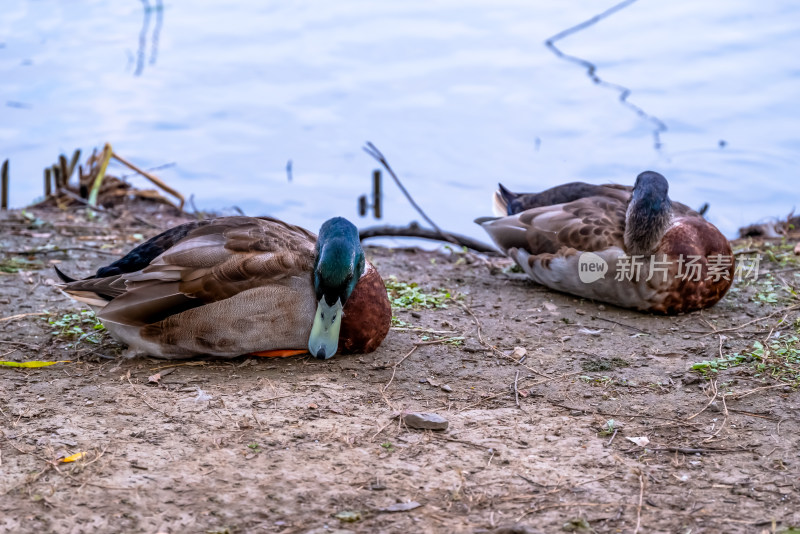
(324, 338)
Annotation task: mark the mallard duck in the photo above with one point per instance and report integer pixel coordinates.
(242, 285)
(587, 240)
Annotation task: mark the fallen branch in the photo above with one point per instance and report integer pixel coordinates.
(373, 151)
(415, 230)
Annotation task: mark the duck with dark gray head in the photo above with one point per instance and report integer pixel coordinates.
(628, 246)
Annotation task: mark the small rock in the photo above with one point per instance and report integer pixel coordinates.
(376, 485)
(447, 388)
(416, 315)
(601, 308)
(425, 420)
(580, 312)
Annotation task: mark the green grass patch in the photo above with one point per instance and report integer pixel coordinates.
(779, 360)
(410, 295)
(81, 326)
(15, 264)
(603, 364)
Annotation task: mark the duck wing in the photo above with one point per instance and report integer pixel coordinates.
(587, 224)
(197, 264)
(509, 203)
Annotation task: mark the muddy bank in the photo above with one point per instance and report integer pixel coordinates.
(541, 391)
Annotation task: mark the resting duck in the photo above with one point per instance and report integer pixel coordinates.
(684, 262)
(242, 285)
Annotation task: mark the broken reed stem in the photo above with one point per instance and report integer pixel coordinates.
(153, 178)
(48, 189)
(62, 164)
(516, 390)
(74, 162)
(98, 181)
(4, 186)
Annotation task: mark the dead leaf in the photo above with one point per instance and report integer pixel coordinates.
(641, 441)
(73, 457)
(31, 363)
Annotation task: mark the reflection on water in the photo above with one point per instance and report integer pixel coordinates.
(591, 69)
(266, 105)
(140, 54)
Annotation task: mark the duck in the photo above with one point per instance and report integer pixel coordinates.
(632, 247)
(233, 286)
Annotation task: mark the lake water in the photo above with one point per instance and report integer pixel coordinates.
(457, 94)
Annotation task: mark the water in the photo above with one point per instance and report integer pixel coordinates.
(457, 94)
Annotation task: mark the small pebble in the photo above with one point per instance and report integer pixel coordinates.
(447, 388)
(580, 312)
(601, 308)
(425, 420)
(416, 315)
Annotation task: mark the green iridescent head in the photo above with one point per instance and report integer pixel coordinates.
(338, 266)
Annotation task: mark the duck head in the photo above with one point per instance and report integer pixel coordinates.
(648, 215)
(337, 268)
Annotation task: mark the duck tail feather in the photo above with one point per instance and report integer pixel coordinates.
(64, 277)
(502, 200)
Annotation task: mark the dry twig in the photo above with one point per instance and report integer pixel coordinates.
(639, 506)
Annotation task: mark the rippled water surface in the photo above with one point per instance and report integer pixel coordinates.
(458, 94)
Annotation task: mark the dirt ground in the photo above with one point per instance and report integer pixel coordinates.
(298, 445)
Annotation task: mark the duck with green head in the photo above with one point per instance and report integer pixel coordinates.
(242, 285)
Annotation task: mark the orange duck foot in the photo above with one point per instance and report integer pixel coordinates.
(279, 353)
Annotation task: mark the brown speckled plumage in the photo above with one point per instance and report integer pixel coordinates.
(546, 233)
(226, 287)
